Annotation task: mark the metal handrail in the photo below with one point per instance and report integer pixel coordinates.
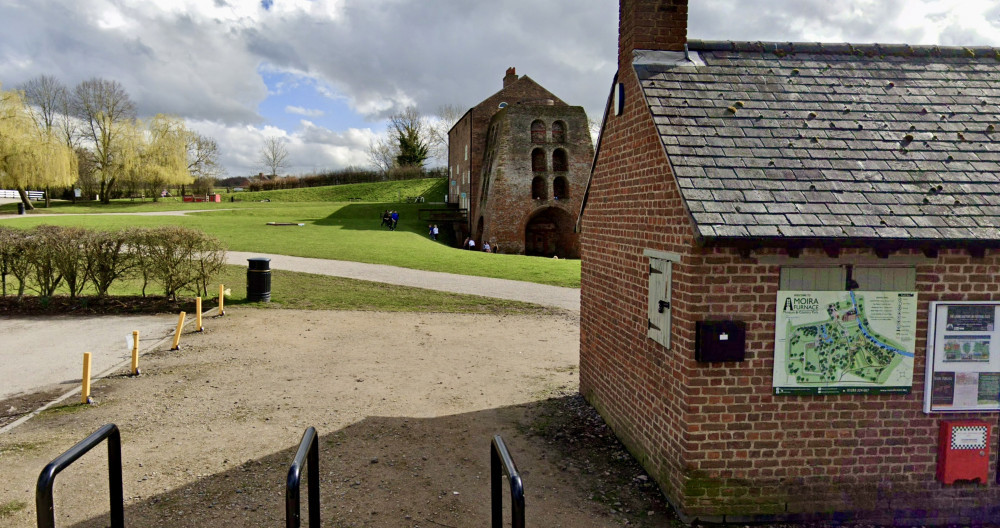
(308, 447)
(502, 465)
(46, 514)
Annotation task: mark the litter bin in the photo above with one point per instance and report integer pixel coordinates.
(259, 279)
(20, 208)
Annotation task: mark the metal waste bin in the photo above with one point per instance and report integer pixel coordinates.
(259, 279)
(20, 208)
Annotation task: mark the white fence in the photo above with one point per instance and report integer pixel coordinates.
(32, 195)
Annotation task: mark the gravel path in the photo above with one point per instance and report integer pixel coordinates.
(565, 298)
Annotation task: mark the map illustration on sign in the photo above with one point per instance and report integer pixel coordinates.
(843, 342)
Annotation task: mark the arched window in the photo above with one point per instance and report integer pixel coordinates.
(537, 131)
(538, 189)
(559, 132)
(560, 188)
(538, 160)
(559, 161)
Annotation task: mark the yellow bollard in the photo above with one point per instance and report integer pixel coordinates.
(85, 393)
(197, 306)
(222, 297)
(135, 353)
(177, 334)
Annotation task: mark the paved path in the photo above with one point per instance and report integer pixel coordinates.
(565, 298)
(39, 212)
(39, 351)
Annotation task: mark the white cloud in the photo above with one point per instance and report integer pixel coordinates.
(308, 112)
(207, 60)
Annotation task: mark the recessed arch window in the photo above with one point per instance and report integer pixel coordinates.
(537, 131)
(559, 132)
(559, 161)
(560, 188)
(538, 191)
(538, 160)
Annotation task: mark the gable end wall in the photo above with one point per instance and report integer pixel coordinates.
(716, 439)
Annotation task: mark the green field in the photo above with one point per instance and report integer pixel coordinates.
(342, 230)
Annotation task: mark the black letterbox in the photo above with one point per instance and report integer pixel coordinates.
(720, 341)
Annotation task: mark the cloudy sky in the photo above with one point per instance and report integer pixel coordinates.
(324, 74)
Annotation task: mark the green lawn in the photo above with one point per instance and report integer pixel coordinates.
(333, 230)
(305, 291)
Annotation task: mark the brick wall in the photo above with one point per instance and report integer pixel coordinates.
(470, 132)
(651, 25)
(508, 205)
(458, 163)
(713, 435)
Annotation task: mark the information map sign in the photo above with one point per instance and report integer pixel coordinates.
(844, 342)
(963, 357)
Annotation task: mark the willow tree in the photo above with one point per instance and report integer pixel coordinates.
(30, 155)
(151, 155)
(165, 154)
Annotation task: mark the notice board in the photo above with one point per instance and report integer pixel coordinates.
(963, 357)
(844, 342)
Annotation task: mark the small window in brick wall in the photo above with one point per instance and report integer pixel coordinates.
(538, 189)
(658, 311)
(538, 160)
(537, 131)
(560, 189)
(559, 132)
(559, 161)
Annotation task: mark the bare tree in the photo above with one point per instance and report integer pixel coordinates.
(438, 127)
(273, 154)
(202, 156)
(48, 97)
(105, 109)
(49, 102)
(382, 153)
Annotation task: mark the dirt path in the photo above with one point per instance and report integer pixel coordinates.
(564, 298)
(405, 405)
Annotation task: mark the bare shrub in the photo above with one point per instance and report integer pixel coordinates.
(110, 255)
(66, 245)
(178, 258)
(12, 261)
(42, 256)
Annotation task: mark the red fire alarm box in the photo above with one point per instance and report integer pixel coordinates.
(963, 451)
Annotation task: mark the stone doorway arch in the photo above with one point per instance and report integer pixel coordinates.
(549, 233)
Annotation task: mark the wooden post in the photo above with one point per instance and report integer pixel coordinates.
(222, 297)
(197, 306)
(135, 352)
(85, 392)
(177, 334)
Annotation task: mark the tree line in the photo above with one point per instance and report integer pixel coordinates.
(53, 137)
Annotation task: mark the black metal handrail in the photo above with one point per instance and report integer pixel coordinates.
(501, 465)
(46, 514)
(308, 447)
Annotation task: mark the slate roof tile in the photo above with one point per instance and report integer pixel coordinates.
(810, 153)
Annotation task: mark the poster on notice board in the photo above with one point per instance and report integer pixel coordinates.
(963, 357)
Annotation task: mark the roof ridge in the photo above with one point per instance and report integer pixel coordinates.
(843, 48)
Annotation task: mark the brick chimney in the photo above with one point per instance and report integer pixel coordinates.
(651, 25)
(510, 77)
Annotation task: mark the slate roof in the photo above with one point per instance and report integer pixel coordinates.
(853, 143)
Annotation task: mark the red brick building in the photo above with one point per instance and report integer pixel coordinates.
(518, 164)
(728, 172)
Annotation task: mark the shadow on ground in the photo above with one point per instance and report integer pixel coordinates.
(368, 216)
(388, 471)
